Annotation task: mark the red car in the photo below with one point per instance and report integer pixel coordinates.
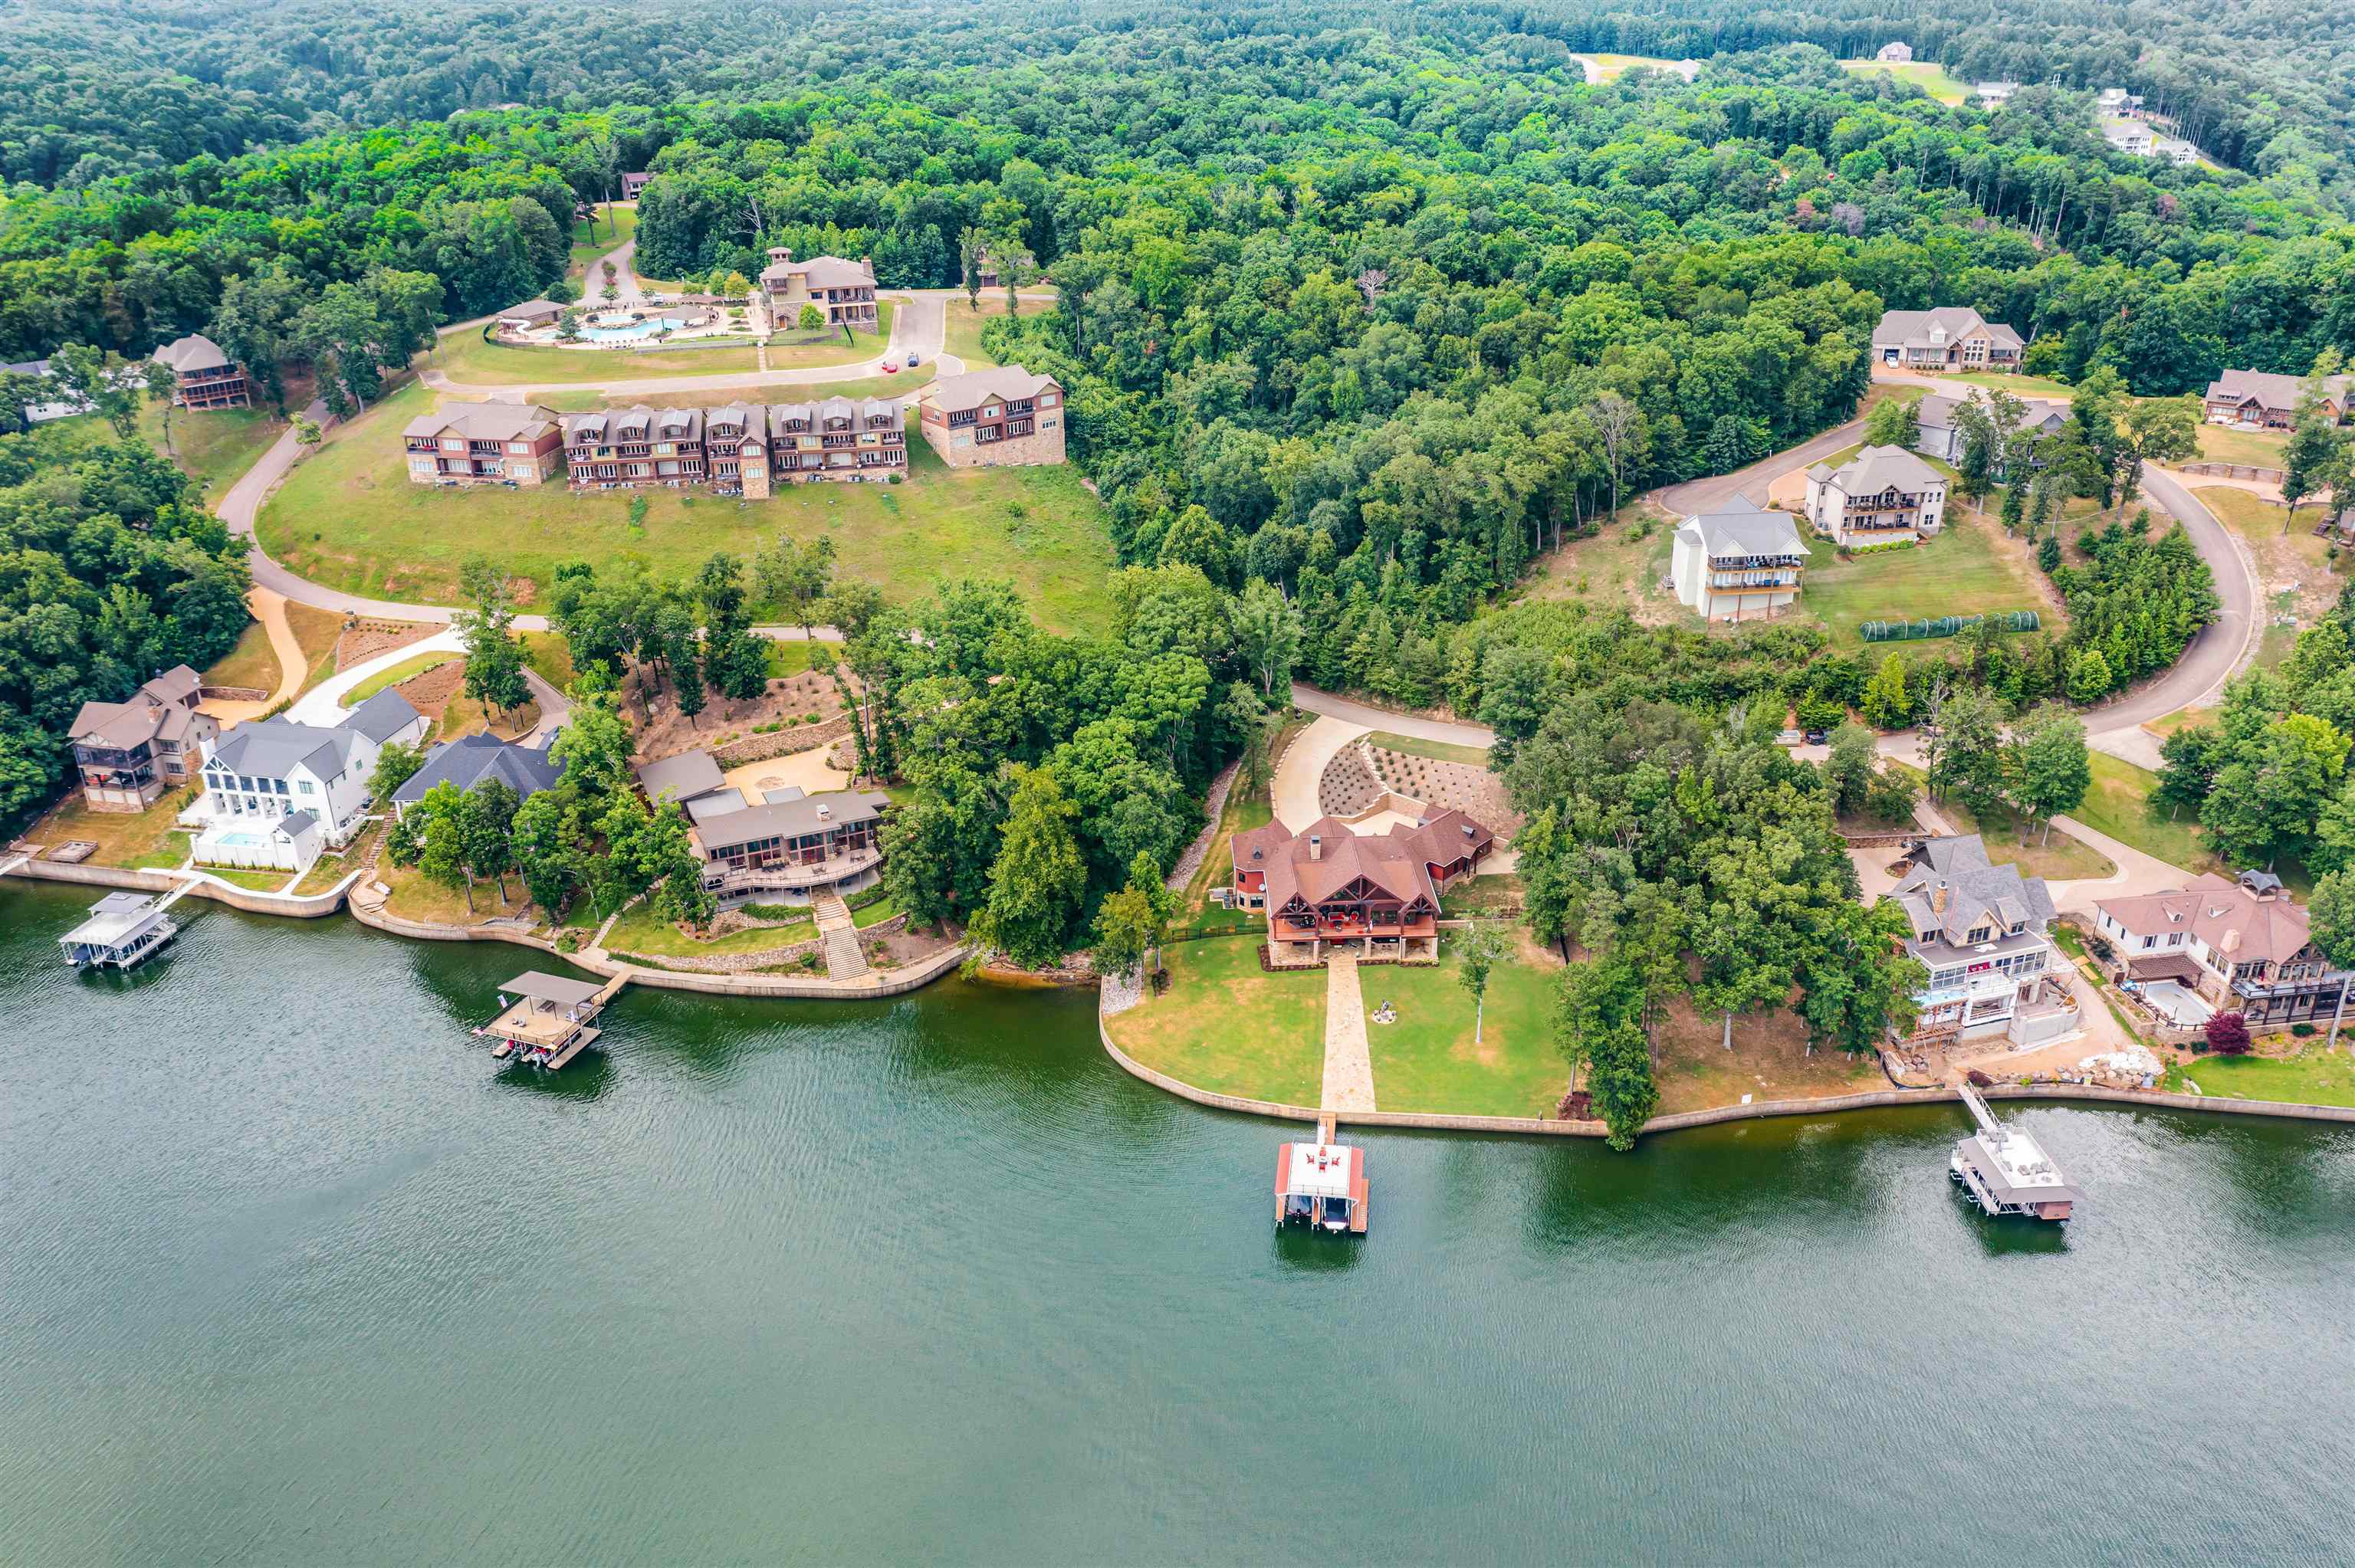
(889, 368)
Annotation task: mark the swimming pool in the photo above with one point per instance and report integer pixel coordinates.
(239, 841)
(634, 331)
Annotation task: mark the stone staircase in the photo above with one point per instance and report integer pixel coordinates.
(839, 934)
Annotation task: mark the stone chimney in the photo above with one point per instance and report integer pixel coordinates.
(1315, 847)
(1938, 897)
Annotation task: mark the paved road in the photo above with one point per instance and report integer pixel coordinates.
(1698, 495)
(1449, 732)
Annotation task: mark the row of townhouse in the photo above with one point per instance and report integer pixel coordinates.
(986, 418)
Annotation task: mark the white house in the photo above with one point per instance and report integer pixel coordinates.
(1883, 494)
(1739, 563)
(278, 792)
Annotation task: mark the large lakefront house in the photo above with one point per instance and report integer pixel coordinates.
(129, 753)
(1952, 337)
(1332, 887)
(203, 376)
(473, 760)
(1882, 496)
(2267, 401)
(784, 847)
(1740, 562)
(1982, 931)
(483, 443)
(999, 417)
(738, 449)
(843, 291)
(278, 792)
(2242, 947)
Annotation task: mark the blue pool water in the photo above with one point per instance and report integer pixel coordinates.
(632, 331)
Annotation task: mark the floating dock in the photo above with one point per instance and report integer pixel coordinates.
(550, 1022)
(123, 931)
(2007, 1172)
(1322, 1185)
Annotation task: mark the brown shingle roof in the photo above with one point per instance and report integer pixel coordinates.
(955, 394)
(2237, 926)
(484, 422)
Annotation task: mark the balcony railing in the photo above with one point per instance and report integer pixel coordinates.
(787, 874)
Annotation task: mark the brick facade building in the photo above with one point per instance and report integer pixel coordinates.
(483, 443)
(992, 419)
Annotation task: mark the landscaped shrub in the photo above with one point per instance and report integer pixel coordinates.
(2099, 947)
(2303, 1031)
(2228, 1034)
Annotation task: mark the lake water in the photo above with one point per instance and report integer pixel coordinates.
(290, 1273)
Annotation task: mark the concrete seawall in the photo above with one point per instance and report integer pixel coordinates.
(1535, 1126)
(309, 908)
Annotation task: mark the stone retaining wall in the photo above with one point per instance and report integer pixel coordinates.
(1829, 1106)
(2232, 470)
(747, 963)
(231, 693)
(794, 738)
(308, 907)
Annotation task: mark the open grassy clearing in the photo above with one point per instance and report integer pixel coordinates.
(467, 356)
(214, 448)
(1622, 563)
(350, 518)
(2015, 382)
(964, 324)
(1437, 750)
(615, 224)
(252, 663)
(549, 655)
(2261, 448)
(416, 897)
(1614, 67)
(316, 631)
(1969, 568)
(1927, 75)
(135, 841)
(2312, 1077)
(1223, 1024)
(640, 930)
(1427, 1061)
(395, 674)
(1769, 1061)
(2118, 805)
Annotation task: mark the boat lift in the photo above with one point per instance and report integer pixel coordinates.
(2007, 1172)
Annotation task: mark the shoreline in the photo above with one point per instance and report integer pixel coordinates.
(1442, 1121)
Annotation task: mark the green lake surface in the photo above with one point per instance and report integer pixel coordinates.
(291, 1272)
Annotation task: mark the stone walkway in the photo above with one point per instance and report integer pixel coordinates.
(839, 933)
(1349, 1063)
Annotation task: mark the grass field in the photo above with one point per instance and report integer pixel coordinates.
(1223, 1024)
(2313, 1076)
(1966, 570)
(395, 674)
(2016, 384)
(138, 841)
(2116, 806)
(214, 449)
(964, 324)
(251, 663)
(1769, 1061)
(1437, 750)
(465, 356)
(640, 930)
(1927, 75)
(348, 517)
(2297, 557)
(2061, 858)
(614, 224)
(1427, 1060)
(1615, 565)
(2261, 448)
(1614, 67)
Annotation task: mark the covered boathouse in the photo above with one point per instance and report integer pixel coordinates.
(547, 1023)
(124, 930)
(1321, 1184)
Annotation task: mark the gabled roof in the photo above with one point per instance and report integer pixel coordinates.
(1876, 469)
(472, 758)
(956, 394)
(1326, 856)
(155, 711)
(532, 310)
(821, 271)
(2237, 926)
(484, 422)
(1931, 329)
(194, 352)
(1976, 892)
(269, 748)
(1936, 411)
(382, 717)
(1743, 528)
(794, 819)
(2270, 390)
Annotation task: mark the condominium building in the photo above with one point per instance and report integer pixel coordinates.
(205, 378)
(483, 443)
(739, 449)
(1882, 496)
(844, 291)
(988, 418)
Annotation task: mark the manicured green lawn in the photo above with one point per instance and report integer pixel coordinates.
(875, 913)
(639, 930)
(2063, 859)
(2018, 385)
(1962, 571)
(1224, 1025)
(1437, 750)
(1927, 75)
(141, 841)
(1427, 1060)
(466, 357)
(349, 517)
(215, 447)
(2261, 448)
(550, 655)
(614, 224)
(2314, 1076)
(395, 675)
(2116, 803)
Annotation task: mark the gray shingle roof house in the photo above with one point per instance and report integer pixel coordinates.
(1942, 438)
(682, 777)
(386, 717)
(1981, 931)
(271, 748)
(472, 758)
(1740, 560)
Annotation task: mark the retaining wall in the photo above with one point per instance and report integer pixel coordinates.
(309, 908)
(782, 742)
(1832, 1105)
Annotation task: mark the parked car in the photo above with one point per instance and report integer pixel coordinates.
(913, 361)
(889, 368)
(1817, 736)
